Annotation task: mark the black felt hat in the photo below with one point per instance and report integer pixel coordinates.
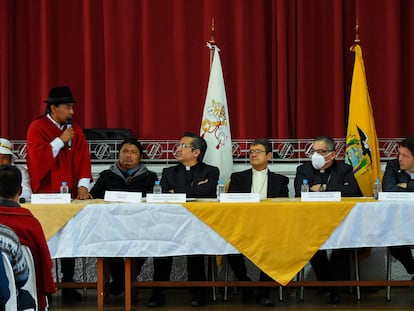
(60, 95)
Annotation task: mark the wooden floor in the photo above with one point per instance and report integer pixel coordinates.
(178, 300)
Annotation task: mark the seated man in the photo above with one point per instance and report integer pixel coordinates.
(258, 179)
(126, 174)
(324, 173)
(27, 228)
(197, 180)
(7, 157)
(399, 176)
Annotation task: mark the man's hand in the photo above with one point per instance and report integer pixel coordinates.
(67, 135)
(316, 188)
(402, 185)
(83, 194)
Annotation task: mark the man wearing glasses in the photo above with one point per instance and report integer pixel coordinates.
(399, 177)
(257, 179)
(324, 173)
(197, 180)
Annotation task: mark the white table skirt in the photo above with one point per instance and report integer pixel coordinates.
(136, 230)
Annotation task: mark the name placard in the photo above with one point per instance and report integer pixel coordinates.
(166, 198)
(50, 198)
(326, 196)
(123, 196)
(239, 197)
(396, 196)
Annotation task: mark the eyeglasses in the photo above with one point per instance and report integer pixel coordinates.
(320, 151)
(184, 145)
(255, 151)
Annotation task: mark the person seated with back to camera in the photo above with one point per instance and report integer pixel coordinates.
(28, 229)
(325, 173)
(11, 247)
(257, 179)
(128, 173)
(399, 177)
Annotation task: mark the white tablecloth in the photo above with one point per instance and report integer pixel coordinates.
(136, 230)
(375, 224)
(150, 230)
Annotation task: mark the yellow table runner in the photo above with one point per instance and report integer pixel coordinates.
(279, 236)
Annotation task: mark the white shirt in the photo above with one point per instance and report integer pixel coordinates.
(259, 183)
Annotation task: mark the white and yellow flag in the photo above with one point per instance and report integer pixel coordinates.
(362, 150)
(215, 124)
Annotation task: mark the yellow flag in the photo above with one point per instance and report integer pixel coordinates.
(362, 150)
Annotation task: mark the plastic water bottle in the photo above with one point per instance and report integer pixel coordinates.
(220, 189)
(305, 186)
(377, 188)
(64, 187)
(157, 188)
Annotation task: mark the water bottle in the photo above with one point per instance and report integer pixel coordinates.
(157, 188)
(377, 188)
(305, 186)
(220, 189)
(64, 187)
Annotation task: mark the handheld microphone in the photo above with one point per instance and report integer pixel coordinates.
(69, 125)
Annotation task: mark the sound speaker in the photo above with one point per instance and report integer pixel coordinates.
(107, 134)
(103, 143)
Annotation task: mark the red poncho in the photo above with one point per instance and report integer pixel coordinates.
(70, 165)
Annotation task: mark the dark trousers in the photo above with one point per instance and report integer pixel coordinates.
(238, 265)
(117, 269)
(337, 268)
(67, 267)
(403, 254)
(195, 270)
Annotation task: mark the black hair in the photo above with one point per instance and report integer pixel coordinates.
(409, 144)
(10, 181)
(197, 142)
(330, 144)
(135, 142)
(264, 142)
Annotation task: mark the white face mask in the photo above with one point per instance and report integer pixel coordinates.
(318, 160)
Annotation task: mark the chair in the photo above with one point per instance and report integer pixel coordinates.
(30, 285)
(11, 304)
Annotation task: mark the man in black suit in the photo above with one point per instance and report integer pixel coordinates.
(197, 180)
(324, 173)
(258, 179)
(399, 177)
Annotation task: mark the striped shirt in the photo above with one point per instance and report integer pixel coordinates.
(11, 247)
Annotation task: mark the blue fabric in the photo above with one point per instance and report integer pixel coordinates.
(4, 283)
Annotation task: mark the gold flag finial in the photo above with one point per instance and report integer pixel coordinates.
(212, 40)
(357, 40)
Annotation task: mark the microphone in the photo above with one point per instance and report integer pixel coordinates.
(69, 125)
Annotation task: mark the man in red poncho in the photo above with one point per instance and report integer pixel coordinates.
(27, 228)
(57, 152)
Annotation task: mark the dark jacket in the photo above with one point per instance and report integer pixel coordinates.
(394, 175)
(338, 177)
(113, 179)
(199, 182)
(277, 185)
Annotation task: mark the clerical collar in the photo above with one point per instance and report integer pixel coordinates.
(262, 172)
(60, 126)
(411, 174)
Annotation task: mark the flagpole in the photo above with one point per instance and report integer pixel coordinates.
(357, 40)
(212, 42)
